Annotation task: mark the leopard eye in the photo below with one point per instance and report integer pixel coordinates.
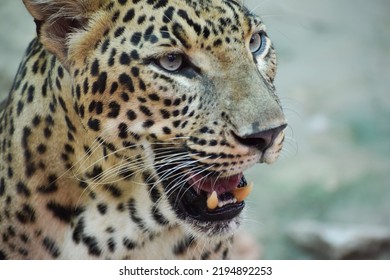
(257, 43)
(171, 62)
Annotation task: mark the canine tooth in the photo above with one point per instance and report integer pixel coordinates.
(241, 193)
(212, 201)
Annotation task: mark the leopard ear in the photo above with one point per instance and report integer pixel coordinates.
(58, 20)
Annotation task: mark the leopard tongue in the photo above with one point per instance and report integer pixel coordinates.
(239, 194)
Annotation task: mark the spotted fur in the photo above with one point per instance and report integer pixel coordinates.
(93, 122)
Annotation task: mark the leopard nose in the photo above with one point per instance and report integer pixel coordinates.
(261, 140)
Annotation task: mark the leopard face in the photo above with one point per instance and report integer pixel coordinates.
(174, 100)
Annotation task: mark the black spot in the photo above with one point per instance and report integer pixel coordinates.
(102, 208)
(100, 84)
(69, 149)
(30, 94)
(148, 32)
(64, 213)
(26, 214)
(115, 17)
(183, 245)
(129, 15)
(131, 115)
(164, 32)
(95, 173)
(217, 43)
(51, 247)
(167, 130)
(176, 124)
(30, 167)
(126, 173)
(206, 32)
(19, 107)
(24, 238)
(183, 14)
(123, 131)
(159, 217)
(114, 109)
(122, 2)
(135, 71)
(125, 80)
(111, 60)
(99, 108)
(165, 114)
(78, 231)
(124, 59)
(95, 68)
(145, 110)
(130, 245)
(179, 33)
(94, 124)
(22, 189)
(114, 87)
(168, 14)
(105, 46)
(60, 72)
(134, 214)
(70, 125)
(148, 123)
(119, 31)
(85, 86)
(111, 244)
(185, 110)
(154, 97)
(157, 4)
(134, 55)
(25, 136)
(110, 230)
(92, 244)
(125, 97)
(114, 190)
(167, 102)
(2, 187)
(141, 19)
(47, 132)
(136, 38)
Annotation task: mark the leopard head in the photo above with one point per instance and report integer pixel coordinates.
(182, 88)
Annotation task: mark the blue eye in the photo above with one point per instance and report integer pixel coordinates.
(257, 43)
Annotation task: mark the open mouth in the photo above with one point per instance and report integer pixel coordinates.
(211, 198)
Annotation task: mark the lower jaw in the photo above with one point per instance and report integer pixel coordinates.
(192, 209)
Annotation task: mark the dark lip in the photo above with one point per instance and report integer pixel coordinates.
(188, 203)
(193, 205)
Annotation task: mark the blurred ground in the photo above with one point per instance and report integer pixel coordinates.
(334, 67)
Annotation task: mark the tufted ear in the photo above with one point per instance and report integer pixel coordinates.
(57, 20)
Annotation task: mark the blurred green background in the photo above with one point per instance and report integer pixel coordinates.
(334, 71)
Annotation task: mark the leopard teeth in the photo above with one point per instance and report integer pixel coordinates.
(212, 201)
(241, 193)
(223, 203)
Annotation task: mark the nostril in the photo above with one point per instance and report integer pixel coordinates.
(261, 140)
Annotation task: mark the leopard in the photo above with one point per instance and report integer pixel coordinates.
(129, 126)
